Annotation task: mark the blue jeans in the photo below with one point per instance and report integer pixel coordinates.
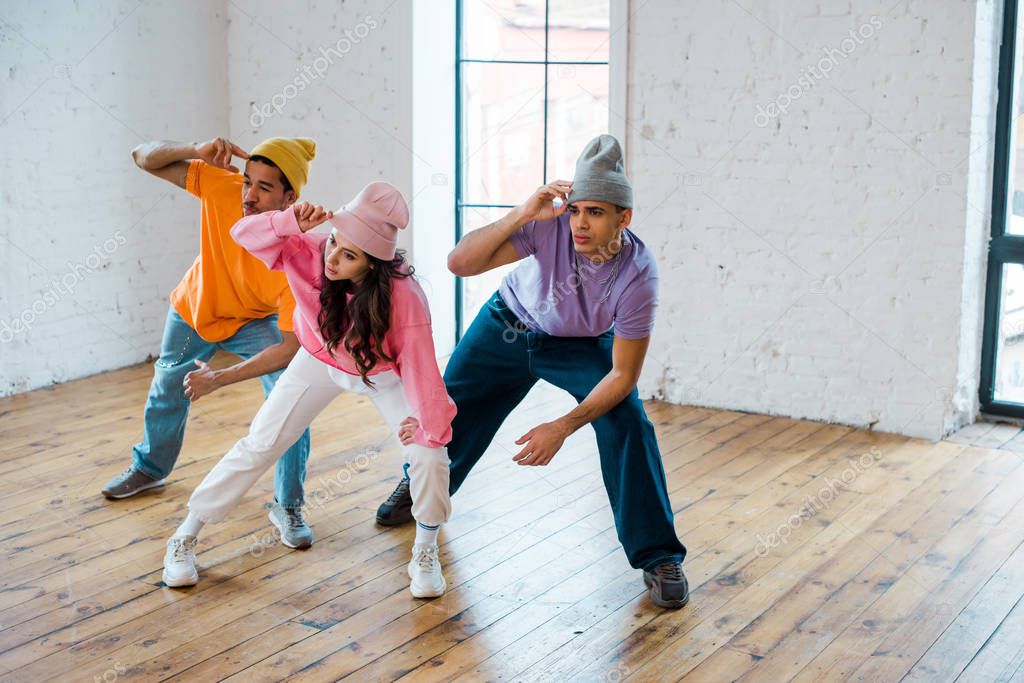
(490, 372)
(167, 407)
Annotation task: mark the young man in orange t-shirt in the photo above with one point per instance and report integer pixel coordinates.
(227, 300)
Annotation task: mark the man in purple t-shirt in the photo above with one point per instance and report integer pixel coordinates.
(578, 313)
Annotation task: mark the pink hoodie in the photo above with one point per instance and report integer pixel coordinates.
(274, 238)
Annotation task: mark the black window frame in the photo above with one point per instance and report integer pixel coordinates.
(460, 204)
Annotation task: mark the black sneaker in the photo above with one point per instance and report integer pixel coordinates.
(397, 509)
(668, 586)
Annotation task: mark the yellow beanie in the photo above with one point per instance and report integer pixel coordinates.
(292, 156)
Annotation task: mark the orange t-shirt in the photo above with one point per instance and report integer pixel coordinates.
(227, 286)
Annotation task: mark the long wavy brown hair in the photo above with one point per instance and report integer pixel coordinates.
(361, 322)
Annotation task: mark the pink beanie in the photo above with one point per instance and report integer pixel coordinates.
(372, 220)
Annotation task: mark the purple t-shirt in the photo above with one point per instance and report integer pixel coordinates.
(560, 293)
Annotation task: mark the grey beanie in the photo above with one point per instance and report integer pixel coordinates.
(600, 175)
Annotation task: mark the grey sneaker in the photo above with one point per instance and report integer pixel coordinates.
(180, 562)
(668, 585)
(130, 482)
(295, 533)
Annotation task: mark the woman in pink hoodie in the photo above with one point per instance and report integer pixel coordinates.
(364, 326)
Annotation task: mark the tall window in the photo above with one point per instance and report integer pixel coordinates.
(1002, 372)
(531, 90)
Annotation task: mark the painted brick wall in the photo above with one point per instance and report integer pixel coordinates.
(337, 72)
(94, 245)
(814, 177)
(91, 245)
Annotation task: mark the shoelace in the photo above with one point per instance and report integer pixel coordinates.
(400, 492)
(425, 557)
(295, 519)
(180, 550)
(671, 572)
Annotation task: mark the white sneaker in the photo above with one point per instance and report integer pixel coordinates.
(425, 572)
(180, 562)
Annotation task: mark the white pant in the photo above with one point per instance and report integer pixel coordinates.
(302, 392)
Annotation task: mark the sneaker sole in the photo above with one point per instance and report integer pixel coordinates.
(420, 592)
(119, 496)
(181, 583)
(657, 600)
(280, 530)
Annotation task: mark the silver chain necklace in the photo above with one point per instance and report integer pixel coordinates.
(610, 280)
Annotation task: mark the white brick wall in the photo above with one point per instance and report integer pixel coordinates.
(352, 61)
(827, 263)
(84, 85)
(91, 246)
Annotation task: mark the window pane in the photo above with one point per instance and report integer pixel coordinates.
(1009, 375)
(478, 289)
(577, 112)
(578, 30)
(503, 29)
(502, 132)
(1015, 202)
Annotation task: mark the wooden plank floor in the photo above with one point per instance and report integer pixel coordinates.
(816, 552)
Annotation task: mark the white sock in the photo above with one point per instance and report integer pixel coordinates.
(190, 527)
(425, 534)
